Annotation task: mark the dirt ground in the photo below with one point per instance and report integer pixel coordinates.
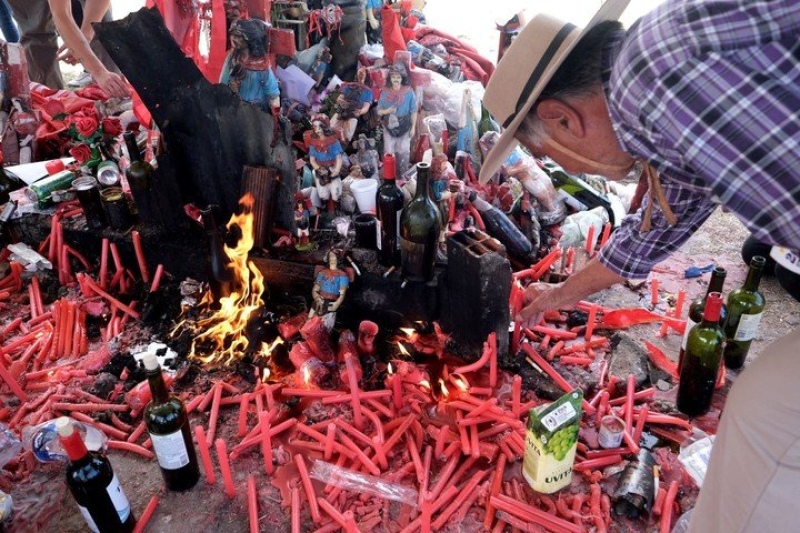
(206, 508)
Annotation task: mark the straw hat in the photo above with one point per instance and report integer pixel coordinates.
(525, 70)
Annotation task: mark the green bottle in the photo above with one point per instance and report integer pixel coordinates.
(168, 425)
(715, 284)
(420, 225)
(745, 307)
(701, 360)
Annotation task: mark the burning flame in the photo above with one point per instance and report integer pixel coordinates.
(265, 373)
(424, 384)
(306, 374)
(461, 383)
(403, 349)
(445, 391)
(266, 349)
(224, 330)
(408, 331)
(389, 369)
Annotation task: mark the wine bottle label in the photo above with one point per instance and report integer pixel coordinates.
(378, 230)
(89, 519)
(748, 327)
(397, 229)
(170, 450)
(689, 325)
(118, 498)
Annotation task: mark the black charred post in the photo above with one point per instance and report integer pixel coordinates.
(263, 184)
(210, 133)
(478, 285)
(352, 36)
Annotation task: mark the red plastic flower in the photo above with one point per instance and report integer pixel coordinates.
(82, 153)
(86, 126)
(111, 126)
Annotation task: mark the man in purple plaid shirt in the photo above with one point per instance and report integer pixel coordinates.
(705, 94)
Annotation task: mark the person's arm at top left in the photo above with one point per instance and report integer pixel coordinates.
(76, 40)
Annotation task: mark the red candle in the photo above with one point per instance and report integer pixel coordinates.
(225, 467)
(570, 257)
(311, 495)
(493, 360)
(212, 419)
(654, 291)
(140, 258)
(205, 454)
(590, 323)
(666, 510)
(606, 234)
(266, 442)
(252, 503)
(352, 378)
(395, 383)
(295, 509)
(516, 395)
(244, 407)
(631, 390)
(149, 511)
(590, 241)
(329, 440)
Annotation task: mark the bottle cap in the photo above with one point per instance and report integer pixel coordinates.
(389, 167)
(64, 426)
(713, 307)
(150, 362)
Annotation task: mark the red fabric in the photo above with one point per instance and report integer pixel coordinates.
(473, 65)
(390, 31)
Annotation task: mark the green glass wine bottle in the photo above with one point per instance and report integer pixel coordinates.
(420, 225)
(168, 425)
(701, 360)
(745, 307)
(715, 284)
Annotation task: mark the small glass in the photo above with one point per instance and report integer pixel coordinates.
(116, 207)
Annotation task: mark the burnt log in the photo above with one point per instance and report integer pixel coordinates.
(209, 132)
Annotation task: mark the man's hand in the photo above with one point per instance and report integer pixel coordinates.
(65, 54)
(113, 84)
(537, 298)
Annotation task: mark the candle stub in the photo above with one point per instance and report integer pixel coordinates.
(611, 430)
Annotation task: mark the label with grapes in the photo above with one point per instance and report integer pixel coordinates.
(551, 441)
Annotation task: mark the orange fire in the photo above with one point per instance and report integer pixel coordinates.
(221, 335)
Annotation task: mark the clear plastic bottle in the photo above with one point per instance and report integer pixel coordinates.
(42, 441)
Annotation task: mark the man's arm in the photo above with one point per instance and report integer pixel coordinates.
(76, 40)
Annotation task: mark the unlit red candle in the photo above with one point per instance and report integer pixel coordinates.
(252, 503)
(606, 234)
(225, 467)
(516, 395)
(654, 291)
(205, 454)
(590, 241)
(266, 442)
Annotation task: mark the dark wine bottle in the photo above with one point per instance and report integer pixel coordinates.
(94, 485)
(218, 266)
(499, 226)
(390, 208)
(168, 425)
(745, 307)
(420, 224)
(701, 360)
(715, 284)
(9, 182)
(140, 180)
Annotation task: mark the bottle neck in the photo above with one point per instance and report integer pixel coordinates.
(753, 277)
(713, 308)
(158, 388)
(717, 281)
(133, 148)
(74, 446)
(389, 167)
(423, 183)
(480, 204)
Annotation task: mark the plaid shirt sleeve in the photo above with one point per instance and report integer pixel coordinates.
(708, 92)
(632, 253)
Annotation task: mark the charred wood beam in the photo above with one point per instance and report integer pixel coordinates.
(209, 132)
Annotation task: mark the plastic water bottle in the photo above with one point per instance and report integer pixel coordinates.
(42, 440)
(10, 446)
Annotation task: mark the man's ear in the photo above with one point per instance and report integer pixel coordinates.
(560, 116)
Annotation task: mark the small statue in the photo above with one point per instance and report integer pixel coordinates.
(347, 200)
(442, 173)
(302, 221)
(467, 124)
(319, 69)
(330, 287)
(372, 10)
(325, 155)
(354, 101)
(247, 68)
(397, 107)
(367, 156)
